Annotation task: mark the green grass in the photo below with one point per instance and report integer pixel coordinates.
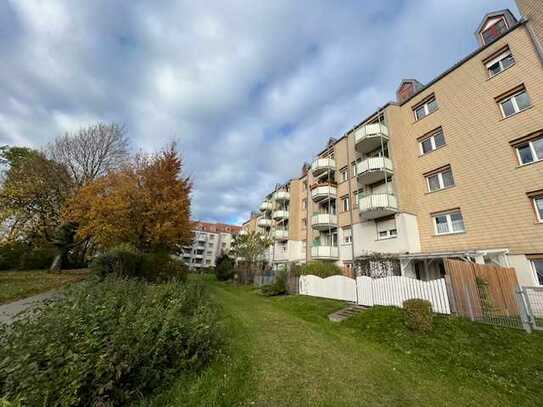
(15, 285)
(283, 351)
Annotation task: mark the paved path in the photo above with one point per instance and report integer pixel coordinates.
(9, 312)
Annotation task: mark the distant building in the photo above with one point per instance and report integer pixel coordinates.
(210, 241)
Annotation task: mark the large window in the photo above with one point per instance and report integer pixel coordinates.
(448, 223)
(432, 141)
(515, 103)
(386, 229)
(500, 63)
(425, 108)
(494, 31)
(530, 150)
(440, 179)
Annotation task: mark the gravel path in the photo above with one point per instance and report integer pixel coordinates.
(9, 312)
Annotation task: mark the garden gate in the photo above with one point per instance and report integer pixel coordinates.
(533, 301)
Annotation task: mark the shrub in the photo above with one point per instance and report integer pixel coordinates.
(121, 261)
(418, 315)
(37, 258)
(279, 286)
(224, 268)
(318, 268)
(107, 343)
(161, 267)
(11, 254)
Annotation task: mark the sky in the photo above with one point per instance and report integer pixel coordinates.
(248, 89)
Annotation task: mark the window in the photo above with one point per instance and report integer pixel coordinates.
(514, 104)
(211, 237)
(494, 31)
(530, 151)
(500, 63)
(538, 206)
(537, 265)
(386, 228)
(343, 175)
(447, 223)
(345, 203)
(426, 108)
(432, 141)
(304, 203)
(440, 179)
(347, 236)
(353, 167)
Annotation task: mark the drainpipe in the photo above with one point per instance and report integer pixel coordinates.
(351, 204)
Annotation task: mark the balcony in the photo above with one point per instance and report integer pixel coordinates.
(265, 206)
(325, 252)
(280, 234)
(370, 137)
(280, 214)
(320, 192)
(264, 223)
(377, 205)
(322, 166)
(374, 169)
(281, 196)
(324, 221)
(242, 232)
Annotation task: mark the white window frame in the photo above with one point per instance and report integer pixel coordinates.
(513, 99)
(532, 264)
(432, 142)
(426, 108)
(440, 180)
(449, 223)
(345, 202)
(347, 238)
(534, 202)
(499, 59)
(344, 175)
(532, 149)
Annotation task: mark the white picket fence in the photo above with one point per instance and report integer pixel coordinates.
(366, 291)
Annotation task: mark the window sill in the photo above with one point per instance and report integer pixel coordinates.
(527, 164)
(448, 234)
(422, 118)
(439, 190)
(517, 113)
(430, 152)
(506, 69)
(386, 238)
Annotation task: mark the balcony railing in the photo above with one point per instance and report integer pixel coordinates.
(377, 205)
(264, 223)
(322, 165)
(266, 206)
(374, 169)
(281, 196)
(325, 252)
(369, 137)
(280, 214)
(323, 221)
(280, 234)
(323, 191)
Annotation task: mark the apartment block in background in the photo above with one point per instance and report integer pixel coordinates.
(450, 169)
(210, 241)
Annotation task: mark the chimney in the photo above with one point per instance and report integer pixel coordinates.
(407, 88)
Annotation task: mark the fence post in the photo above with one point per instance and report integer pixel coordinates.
(525, 311)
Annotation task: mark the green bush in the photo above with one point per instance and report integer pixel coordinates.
(224, 268)
(107, 343)
(37, 258)
(11, 254)
(279, 286)
(418, 315)
(318, 268)
(125, 261)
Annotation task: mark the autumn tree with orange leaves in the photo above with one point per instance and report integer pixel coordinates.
(146, 203)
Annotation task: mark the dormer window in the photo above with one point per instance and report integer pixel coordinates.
(497, 28)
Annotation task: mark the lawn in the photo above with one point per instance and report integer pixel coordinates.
(283, 351)
(15, 285)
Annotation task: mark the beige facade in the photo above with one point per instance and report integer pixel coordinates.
(450, 169)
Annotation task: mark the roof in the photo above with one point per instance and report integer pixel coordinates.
(216, 227)
(505, 12)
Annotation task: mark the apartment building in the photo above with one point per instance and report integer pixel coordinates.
(450, 169)
(210, 241)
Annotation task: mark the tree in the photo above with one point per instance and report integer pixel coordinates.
(146, 203)
(64, 241)
(91, 152)
(32, 195)
(250, 248)
(224, 267)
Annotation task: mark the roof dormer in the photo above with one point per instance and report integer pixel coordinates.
(494, 25)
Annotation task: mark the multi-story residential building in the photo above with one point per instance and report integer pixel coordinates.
(210, 241)
(450, 169)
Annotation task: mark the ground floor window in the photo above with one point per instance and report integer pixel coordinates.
(447, 223)
(538, 269)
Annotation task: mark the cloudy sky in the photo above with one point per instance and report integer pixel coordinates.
(249, 89)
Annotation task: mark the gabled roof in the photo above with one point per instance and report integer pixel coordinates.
(511, 19)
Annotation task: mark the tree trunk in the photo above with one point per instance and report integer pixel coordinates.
(57, 264)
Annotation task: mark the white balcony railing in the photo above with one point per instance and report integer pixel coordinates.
(374, 169)
(377, 205)
(325, 252)
(281, 196)
(280, 234)
(266, 206)
(323, 221)
(264, 223)
(280, 214)
(322, 165)
(369, 137)
(323, 191)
